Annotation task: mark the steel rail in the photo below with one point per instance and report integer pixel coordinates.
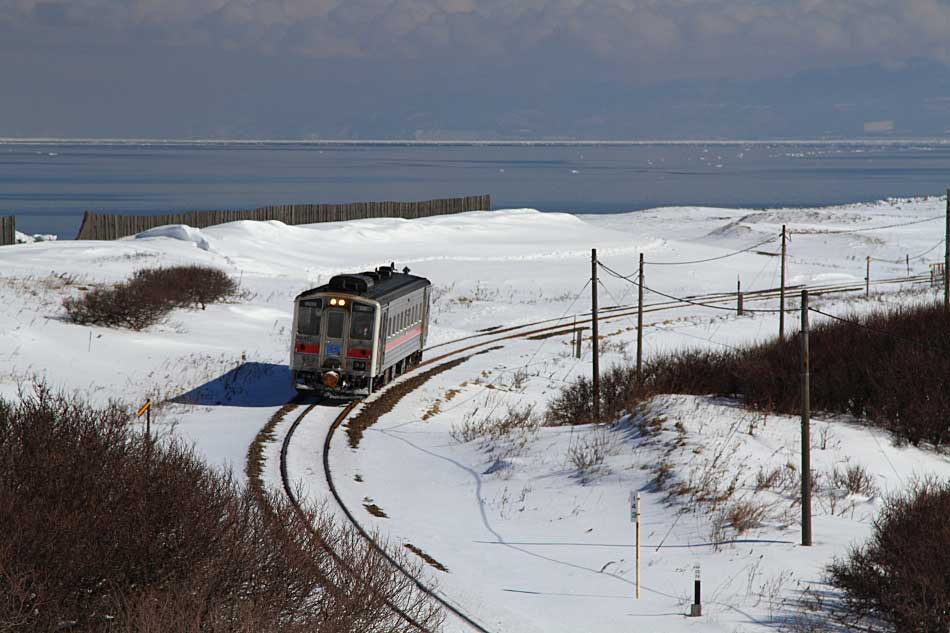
(616, 312)
(298, 508)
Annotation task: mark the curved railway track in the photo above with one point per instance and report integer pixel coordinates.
(495, 336)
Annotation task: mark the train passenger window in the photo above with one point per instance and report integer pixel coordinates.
(308, 317)
(335, 324)
(361, 322)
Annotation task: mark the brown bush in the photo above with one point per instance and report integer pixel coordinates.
(894, 372)
(187, 286)
(900, 576)
(149, 295)
(105, 531)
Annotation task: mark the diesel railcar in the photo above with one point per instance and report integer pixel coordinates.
(359, 331)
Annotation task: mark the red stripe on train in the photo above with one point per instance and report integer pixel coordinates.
(416, 331)
(307, 348)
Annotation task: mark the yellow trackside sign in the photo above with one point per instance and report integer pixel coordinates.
(145, 407)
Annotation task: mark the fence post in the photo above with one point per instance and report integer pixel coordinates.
(7, 230)
(738, 296)
(105, 226)
(867, 279)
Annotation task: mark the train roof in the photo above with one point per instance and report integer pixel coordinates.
(383, 283)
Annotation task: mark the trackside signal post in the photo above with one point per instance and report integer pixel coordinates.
(696, 609)
(147, 410)
(635, 518)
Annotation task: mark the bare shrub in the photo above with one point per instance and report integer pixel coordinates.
(890, 370)
(855, 479)
(900, 575)
(105, 530)
(588, 454)
(149, 295)
(122, 305)
(187, 286)
(662, 473)
(574, 403)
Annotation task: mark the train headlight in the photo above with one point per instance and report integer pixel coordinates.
(332, 302)
(341, 302)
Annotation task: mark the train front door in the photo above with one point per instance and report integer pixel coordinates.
(334, 348)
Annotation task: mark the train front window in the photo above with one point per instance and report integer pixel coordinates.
(308, 317)
(335, 323)
(362, 320)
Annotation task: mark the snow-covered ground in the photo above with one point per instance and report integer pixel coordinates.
(531, 542)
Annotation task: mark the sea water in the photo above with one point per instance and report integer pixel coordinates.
(48, 184)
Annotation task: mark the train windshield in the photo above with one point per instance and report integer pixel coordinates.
(308, 317)
(335, 323)
(361, 322)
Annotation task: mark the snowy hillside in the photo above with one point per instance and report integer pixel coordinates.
(533, 537)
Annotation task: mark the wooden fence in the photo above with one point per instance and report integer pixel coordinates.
(106, 226)
(7, 228)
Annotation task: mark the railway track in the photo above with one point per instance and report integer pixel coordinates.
(493, 337)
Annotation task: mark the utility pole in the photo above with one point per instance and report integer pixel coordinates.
(595, 343)
(946, 259)
(806, 427)
(867, 279)
(781, 306)
(907, 256)
(640, 326)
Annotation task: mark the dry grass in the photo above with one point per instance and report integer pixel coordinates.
(428, 559)
(589, 453)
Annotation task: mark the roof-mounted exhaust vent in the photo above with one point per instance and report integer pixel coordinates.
(385, 272)
(357, 284)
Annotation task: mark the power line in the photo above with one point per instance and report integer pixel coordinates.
(503, 370)
(712, 259)
(901, 261)
(870, 228)
(668, 296)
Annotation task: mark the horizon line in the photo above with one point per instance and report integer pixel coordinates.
(480, 142)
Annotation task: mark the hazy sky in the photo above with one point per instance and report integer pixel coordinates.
(475, 68)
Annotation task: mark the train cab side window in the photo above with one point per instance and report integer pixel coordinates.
(362, 319)
(308, 317)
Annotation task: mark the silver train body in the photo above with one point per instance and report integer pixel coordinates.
(359, 331)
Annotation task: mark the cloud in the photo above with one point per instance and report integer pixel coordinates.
(702, 38)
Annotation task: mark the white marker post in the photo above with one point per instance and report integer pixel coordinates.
(635, 518)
